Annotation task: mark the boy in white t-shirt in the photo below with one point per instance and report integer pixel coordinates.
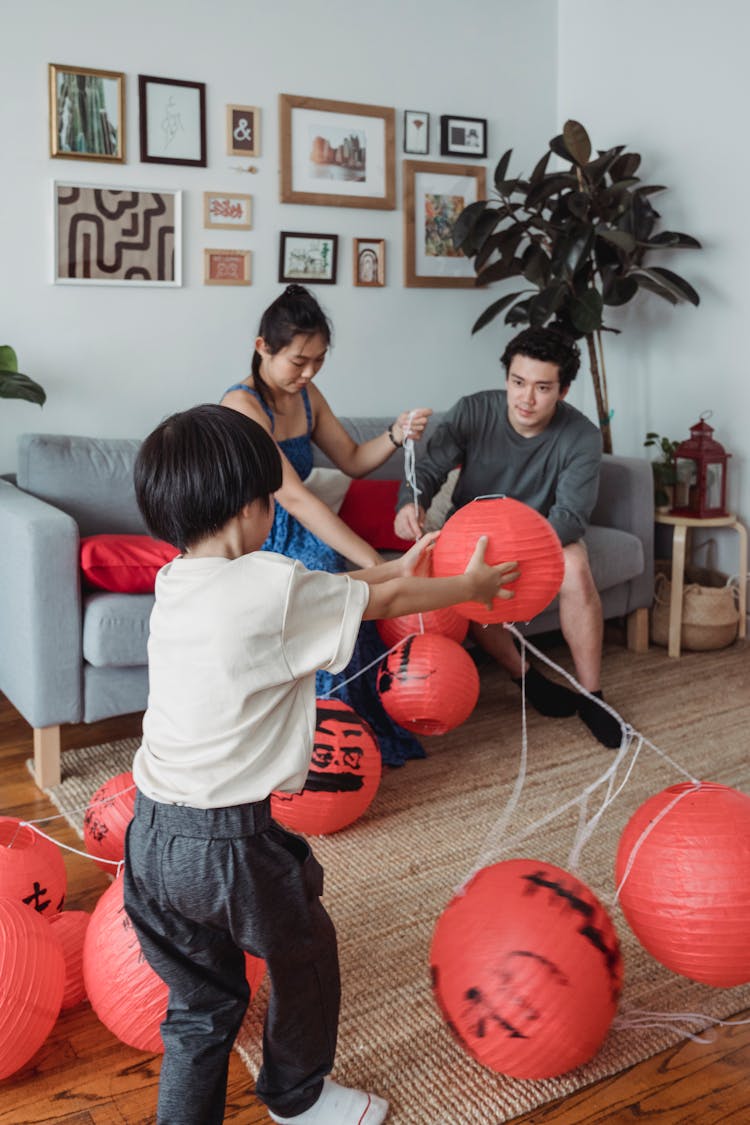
(236, 636)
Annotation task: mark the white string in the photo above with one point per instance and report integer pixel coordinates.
(367, 667)
(66, 847)
(638, 1017)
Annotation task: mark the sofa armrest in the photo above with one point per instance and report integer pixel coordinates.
(626, 501)
(40, 609)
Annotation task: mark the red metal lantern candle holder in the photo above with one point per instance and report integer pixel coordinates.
(700, 473)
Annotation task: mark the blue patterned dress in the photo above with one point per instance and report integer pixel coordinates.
(289, 537)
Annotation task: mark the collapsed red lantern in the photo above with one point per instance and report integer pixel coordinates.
(515, 533)
(344, 774)
(32, 868)
(125, 992)
(429, 684)
(686, 896)
(32, 977)
(107, 816)
(70, 929)
(526, 969)
(446, 622)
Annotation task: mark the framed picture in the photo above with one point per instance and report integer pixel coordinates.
(308, 257)
(416, 132)
(116, 236)
(243, 130)
(369, 261)
(226, 267)
(222, 211)
(337, 154)
(86, 114)
(435, 194)
(463, 136)
(172, 121)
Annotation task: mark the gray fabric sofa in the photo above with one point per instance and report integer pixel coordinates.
(70, 655)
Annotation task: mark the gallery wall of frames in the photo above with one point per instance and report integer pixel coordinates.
(333, 154)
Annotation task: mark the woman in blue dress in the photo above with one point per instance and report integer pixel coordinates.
(292, 343)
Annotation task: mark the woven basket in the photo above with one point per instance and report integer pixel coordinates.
(709, 608)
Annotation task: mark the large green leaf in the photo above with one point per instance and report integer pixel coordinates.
(501, 170)
(682, 289)
(576, 141)
(8, 358)
(674, 240)
(625, 166)
(15, 385)
(557, 145)
(647, 282)
(535, 265)
(552, 183)
(578, 203)
(571, 251)
(546, 303)
(464, 225)
(618, 290)
(649, 189)
(586, 311)
(595, 170)
(508, 266)
(539, 170)
(495, 308)
(622, 239)
(519, 314)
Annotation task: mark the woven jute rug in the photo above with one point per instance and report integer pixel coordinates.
(389, 876)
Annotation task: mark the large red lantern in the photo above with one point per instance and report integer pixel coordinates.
(343, 778)
(686, 895)
(446, 622)
(429, 684)
(515, 532)
(125, 992)
(526, 969)
(32, 978)
(105, 822)
(32, 868)
(70, 929)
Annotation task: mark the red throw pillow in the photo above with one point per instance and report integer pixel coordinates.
(369, 508)
(124, 564)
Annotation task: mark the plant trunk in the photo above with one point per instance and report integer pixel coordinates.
(601, 407)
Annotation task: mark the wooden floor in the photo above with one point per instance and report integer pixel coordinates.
(82, 1075)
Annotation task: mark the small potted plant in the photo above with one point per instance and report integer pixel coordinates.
(12, 383)
(664, 471)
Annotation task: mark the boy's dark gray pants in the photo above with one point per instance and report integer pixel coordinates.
(201, 886)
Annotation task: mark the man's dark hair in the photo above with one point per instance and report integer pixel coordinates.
(550, 345)
(199, 469)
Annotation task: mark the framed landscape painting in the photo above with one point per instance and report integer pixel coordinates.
(308, 257)
(435, 194)
(337, 154)
(86, 114)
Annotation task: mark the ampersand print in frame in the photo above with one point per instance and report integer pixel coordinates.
(243, 130)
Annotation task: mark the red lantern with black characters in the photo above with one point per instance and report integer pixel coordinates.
(428, 684)
(32, 868)
(106, 820)
(446, 622)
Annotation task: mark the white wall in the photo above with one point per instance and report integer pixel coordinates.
(670, 80)
(114, 361)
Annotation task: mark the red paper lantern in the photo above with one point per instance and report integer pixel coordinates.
(446, 622)
(32, 978)
(125, 992)
(526, 969)
(106, 820)
(687, 894)
(70, 929)
(344, 774)
(515, 533)
(32, 868)
(429, 684)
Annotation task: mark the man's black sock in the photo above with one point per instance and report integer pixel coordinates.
(602, 725)
(549, 698)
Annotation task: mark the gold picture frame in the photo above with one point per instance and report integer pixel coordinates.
(368, 262)
(227, 210)
(226, 267)
(337, 154)
(75, 133)
(243, 130)
(435, 193)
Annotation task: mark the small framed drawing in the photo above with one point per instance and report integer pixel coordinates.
(226, 267)
(116, 236)
(172, 121)
(435, 194)
(463, 136)
(337, 154)
(369, 261)
(227, 211)
(308, 257)
(86, 114)
(416, 132)
(243, 130)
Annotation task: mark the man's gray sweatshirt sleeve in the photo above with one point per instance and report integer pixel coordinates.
(577, 488)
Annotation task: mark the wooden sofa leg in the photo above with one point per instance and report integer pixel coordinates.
(47, 756)
(638, 630)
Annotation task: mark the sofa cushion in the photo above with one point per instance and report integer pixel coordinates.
(615, 556)
(124, 564)
(369, 509)
(115, 629)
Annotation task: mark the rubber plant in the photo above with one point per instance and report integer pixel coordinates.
(12, 383)
(581, 237)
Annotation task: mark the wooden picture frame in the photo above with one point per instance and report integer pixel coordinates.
(416, 132)
(337, 154)
(226, 267)
(172, 120)
(434, 196)
(311, 259)
(368, 262)
(112, 235)
(243, 130)
(231, 210)
(74, 132)
(464, 137)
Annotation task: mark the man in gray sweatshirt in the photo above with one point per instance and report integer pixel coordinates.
(528, 443)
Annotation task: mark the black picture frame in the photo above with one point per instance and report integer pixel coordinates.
(172, 130)
(463, 136)
(302, 262)
(412, 135)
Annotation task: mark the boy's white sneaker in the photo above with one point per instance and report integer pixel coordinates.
(339, 1105)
